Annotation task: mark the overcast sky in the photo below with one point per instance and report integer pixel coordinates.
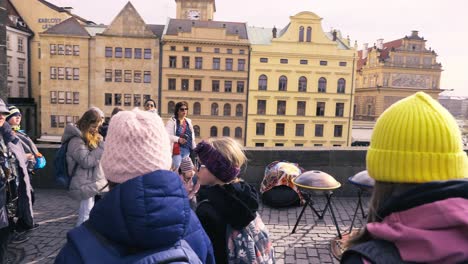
(442, 23)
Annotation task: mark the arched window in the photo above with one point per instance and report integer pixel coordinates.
(213, 131)
(283, 83)
(214, 109)
(341, 86)
(170, 107)
(301, 34)
(302, 84)
(309, 34)
(227, 110)
(196, 108)
(262, 82)
(322, 85)
(239, 110)
(196, 129)
(238, 132)
(226, 132)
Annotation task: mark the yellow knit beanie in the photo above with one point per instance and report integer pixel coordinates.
(416, 140)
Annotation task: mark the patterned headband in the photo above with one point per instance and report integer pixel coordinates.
(216, 163)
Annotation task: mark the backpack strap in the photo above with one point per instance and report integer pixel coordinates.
(375, 251)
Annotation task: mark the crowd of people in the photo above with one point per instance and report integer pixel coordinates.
(165, 197)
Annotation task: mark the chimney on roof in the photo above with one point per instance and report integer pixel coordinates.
(365, 46)
(334, 35)
(380, 44)
(274, 31)
(68, 8)
(414, 33)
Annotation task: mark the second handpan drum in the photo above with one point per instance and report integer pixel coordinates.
(316, 180)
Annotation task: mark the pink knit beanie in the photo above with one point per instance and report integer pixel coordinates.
(136, 144)
(186, 164)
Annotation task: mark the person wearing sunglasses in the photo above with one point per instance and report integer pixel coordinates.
(150, 105)
(181, 134)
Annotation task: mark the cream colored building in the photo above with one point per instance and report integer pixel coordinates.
(388, 72)
(300, 90)
(205, 63)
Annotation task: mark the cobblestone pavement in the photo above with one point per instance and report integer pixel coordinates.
(56, 214)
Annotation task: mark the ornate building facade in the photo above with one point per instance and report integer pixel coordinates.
(388, 72)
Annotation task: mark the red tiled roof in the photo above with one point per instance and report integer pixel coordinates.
(387, 47)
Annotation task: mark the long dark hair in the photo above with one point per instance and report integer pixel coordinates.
(178, 106)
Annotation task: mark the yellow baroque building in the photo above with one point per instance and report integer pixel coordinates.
(300, 85)
(391, 71)
(205, 63)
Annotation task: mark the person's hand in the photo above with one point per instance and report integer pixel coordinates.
(30, 156)
(182, 141)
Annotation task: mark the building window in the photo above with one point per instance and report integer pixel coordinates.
(68, 50)
(108, 52)
(301, 108)
(118, 52)
(186, 49)
(299, 130)
(309, 34)
(281, 108)
(283, 83)
(226, 132)
(241, 65)
(118, 99)
(339, 111)
(127, 76)
(61, 122)
(323, 63)
(338, 132)
(137, 76)
(147, 54)
(260, 129)
(318, 145)
(61, 49)
(185, 84)
(173, 48)
(301, 34)
(319, 130)
(298, 145)
(199, 49)
(196, 129)
(229, 64)
(227, 110)
(53, 97)
(170, 107)
(198, 63)
(185, 62)
(68, 73)
(240, 86)
(229, 51)
(261, 107)
(172, 62)
(69, 119)
(215, 86)
(127, 99)
(61, 97)
(76, 98)
(196, 108)
(53, 121)
(280, 129)
(259, 144)
(214, 109)
(227, 86)
(8, 42)
(239, 110)
(68, 98)
(341, 85)
(20, 45)
(343, 63)
(117, 75)
(241, 51)
(53, 49)
(284, 61)
(320, 109)
(264, 60)
(322, 85)
(147, 77)
(213, 131)
(128, 53)
(137, 53)
(108, 75)
(61, 73)
(197, 85)
(21, 68)
(216, 63)
(53, 73)
(108, 99)
(216, 50)
(238, 132)
(304, 62)
(172, 84)
(137, 100)
(39, 77)
(302, 86)
(369, 110)
(76, 74)
(262, 82)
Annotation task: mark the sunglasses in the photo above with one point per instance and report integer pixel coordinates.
(183, 109)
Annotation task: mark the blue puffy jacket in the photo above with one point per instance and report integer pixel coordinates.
(146, 214)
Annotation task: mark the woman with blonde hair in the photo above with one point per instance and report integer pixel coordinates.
(85, 148)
